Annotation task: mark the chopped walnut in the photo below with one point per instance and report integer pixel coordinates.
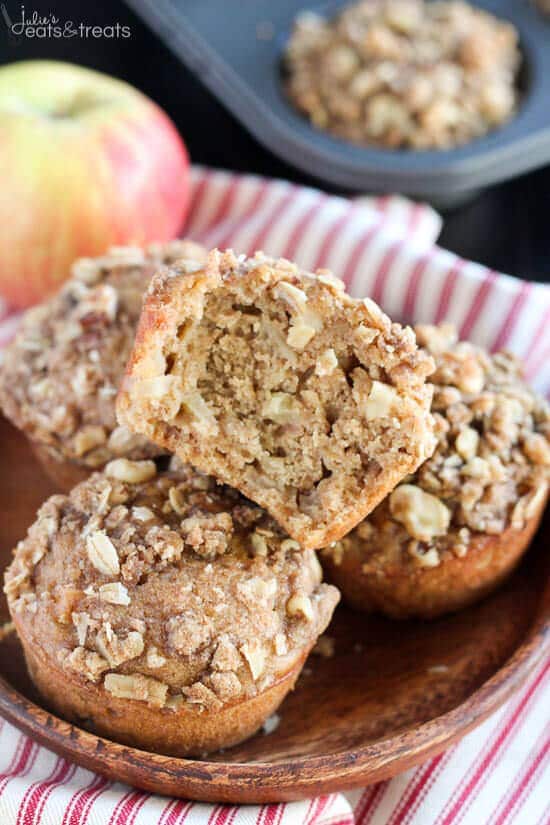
(131, 472)
(137, 687)
(177, 500)
(87, 438)
(118, 649)
(423, 515)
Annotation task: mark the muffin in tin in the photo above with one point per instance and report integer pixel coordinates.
(162, 610)
(61, 373)
(404, 73)
(455, 529)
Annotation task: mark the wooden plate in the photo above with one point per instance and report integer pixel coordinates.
(392, 695)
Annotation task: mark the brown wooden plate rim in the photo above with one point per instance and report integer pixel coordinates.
(291, 778)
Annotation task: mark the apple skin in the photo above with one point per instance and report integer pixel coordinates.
(86, 162)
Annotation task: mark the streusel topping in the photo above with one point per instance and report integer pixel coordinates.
(60, 376)
(404, 73)
(166, 588)
(490, 470)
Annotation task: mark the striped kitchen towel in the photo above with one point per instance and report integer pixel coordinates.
(382, 247)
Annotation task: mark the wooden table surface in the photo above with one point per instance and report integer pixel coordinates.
(505, 228)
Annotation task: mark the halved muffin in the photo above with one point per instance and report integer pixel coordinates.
(162, 610)
(60, 375)
(456, 528)
(311, 403)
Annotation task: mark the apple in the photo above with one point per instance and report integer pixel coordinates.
(86, 161)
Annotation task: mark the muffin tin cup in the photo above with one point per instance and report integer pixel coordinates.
(237, 54)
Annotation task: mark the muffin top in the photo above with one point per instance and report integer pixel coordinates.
(166, 588)
(404, 73)
(490, 469)
(60, 375)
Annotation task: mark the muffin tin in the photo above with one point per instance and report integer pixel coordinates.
(237, 54)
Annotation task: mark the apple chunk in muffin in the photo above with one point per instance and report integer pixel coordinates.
(311, 403)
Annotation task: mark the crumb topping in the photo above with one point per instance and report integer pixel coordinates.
(61, 374)
(404, 73)
(171, 605)
(490, 469)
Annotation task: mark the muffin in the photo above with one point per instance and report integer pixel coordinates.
(404, 73)
(163, 611)
(61, 373)
(311, 403)
(456, 528)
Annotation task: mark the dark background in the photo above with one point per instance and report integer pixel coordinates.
(506, 227)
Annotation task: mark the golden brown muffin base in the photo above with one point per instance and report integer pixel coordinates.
(402, 592)
(175, 733)
(64, 474)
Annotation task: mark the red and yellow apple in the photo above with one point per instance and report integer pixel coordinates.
(86, 161)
